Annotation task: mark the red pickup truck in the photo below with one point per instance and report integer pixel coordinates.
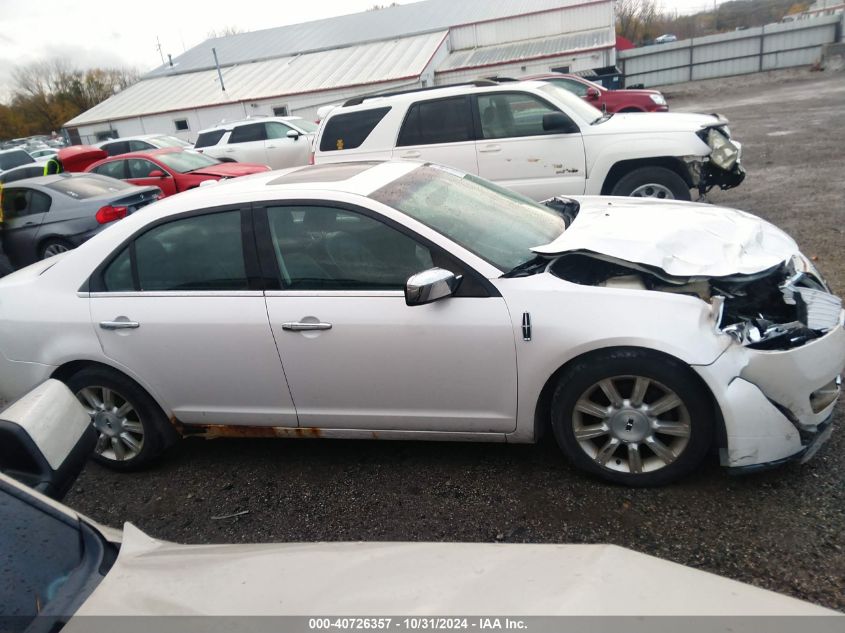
(604, 99)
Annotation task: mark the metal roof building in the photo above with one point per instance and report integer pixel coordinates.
(298, 68)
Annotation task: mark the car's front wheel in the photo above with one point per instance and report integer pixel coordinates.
(632, 417)
(131, 426)
(652, 182)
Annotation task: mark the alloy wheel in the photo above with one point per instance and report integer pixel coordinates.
(631, 424)
(54, 249)
(121, 433)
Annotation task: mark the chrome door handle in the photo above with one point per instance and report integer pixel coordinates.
(119, 325)
(298, 326)
(489, 149)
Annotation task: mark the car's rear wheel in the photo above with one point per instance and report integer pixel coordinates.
(131, 426)
(652, 182)
(54, 246)
(632, 417)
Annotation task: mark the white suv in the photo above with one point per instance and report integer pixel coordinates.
(276, 141)
(537, 139)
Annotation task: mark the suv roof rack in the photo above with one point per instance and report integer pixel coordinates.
(359, 100)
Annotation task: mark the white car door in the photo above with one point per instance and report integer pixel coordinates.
(246, 144)
(515, 151)
(355, 355)
(177, 309)
(282, 150)
(440, 131)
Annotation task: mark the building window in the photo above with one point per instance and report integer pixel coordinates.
(280, 110)
(181, 125)
(106, 135)
(561, 69)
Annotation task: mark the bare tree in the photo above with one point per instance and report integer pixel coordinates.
(224, 32)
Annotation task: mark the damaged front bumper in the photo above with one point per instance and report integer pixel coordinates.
(777, 405)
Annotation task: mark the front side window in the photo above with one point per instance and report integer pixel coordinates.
(439, 121)
(575, 87)
(112, 169)
(203, 252)
(274, 129)
(140, 146)
(248, 133)
(350, 130)
(140, 168)
(512, 114)
(325, 248)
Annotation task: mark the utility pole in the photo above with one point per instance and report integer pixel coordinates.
(158, 48)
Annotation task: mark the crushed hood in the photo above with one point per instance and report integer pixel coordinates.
(153, 577)
(230, 170)
(682, 239)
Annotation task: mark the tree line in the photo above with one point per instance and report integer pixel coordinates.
(642, 20)
(46, 94)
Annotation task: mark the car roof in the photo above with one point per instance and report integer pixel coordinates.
(147, 153)
(412, 96)
(228, 125)
(43, 181)
(139, 137)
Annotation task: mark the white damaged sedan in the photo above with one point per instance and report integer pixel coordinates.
(402, 300)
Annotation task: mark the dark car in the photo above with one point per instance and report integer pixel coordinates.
(604, 99)
(51, 214)
(10, 158)
(21, 173)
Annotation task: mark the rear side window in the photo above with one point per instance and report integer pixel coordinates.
(199, 253)
(15, 158)
(440, 121)
(207, 139)
(348, 131)
(18, 203)
(115, 149)
(248, 133)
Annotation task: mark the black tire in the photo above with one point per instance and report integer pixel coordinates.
(666, 181)
(157, 431)
(663, 375)
(54, 243)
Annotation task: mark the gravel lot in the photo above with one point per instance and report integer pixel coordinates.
(782, 530)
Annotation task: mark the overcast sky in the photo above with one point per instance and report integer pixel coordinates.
(114, 33)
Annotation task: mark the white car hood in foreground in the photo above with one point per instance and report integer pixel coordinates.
(153, 577)
(683, 239)
(654, 122)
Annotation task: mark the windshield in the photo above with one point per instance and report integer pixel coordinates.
(169, 141)
(498, 225)
(581, 108)
(88, 186)
(183, 162)
(303, 124)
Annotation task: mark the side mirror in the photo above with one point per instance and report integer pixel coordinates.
(293, 134)
(559, 122)
(156, 173)
(430, 285)
(45, 439)
(593, 94)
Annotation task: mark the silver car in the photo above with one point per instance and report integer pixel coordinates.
(48, 215)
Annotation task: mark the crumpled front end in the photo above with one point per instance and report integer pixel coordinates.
(778, 382)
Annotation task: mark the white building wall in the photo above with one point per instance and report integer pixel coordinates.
(584, 17)
(575, 61)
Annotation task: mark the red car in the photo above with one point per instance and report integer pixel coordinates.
(170, 169)
(605, 99)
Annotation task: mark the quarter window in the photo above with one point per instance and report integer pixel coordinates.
(512, 114)
(440, 121)
(324, 248)
(118, 275)
(348, 131)
(198, 253)
(207, 139)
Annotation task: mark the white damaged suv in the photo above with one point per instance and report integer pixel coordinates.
(402, 300)
(538, 139)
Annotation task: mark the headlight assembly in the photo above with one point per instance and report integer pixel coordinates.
(658, 99)
(724, 154)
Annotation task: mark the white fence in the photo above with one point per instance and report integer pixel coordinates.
(770, 47)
